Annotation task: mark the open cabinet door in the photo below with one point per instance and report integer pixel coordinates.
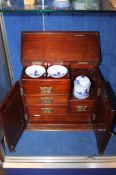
(12, 116)
(2, 151)
(104, 118)
(2, 172)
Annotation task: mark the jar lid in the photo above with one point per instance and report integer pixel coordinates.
(82, 80)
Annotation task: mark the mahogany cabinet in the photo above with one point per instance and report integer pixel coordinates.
(48, 103)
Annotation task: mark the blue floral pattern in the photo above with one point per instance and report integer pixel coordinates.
(81, 87)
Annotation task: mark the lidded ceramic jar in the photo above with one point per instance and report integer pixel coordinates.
(81, 87)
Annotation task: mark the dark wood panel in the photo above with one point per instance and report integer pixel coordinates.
(104, 118)
(80, 106)
(69, 118)
(82, 126)
(46, 86)
(46, 99)
(12, 116)
(2, 171)
(47, 109)
(59, 46)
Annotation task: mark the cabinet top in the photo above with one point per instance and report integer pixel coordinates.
(82, 6)
(58, 47)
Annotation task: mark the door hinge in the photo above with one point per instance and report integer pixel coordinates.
(83, 62)
(26, 117)
(21, 91)
(112, 133)
(94, 117)
(105, 94)
(101, 130)
(37, 63)
(98, 92)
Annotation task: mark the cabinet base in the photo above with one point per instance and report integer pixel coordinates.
(60, 127)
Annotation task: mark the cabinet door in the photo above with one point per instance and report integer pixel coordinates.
(104, 118)
(2, 151)
(2, 172)
(12, 116)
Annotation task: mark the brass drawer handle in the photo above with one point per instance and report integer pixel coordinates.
(46, 100)
(46, 90)
(81, 108)
(46, 110)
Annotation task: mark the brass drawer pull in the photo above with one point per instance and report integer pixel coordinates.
(46, 90)
(46, 110)
(46, 100)
(81, 108)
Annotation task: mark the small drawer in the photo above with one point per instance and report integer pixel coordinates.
(82, 106)
(47, 109)
(46, 99)
(46, 86)
(72, 119)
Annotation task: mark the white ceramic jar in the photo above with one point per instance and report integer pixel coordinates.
(81, 87)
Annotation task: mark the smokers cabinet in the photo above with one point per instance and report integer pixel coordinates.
(47, 103)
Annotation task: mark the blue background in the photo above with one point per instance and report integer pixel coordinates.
(104, 23)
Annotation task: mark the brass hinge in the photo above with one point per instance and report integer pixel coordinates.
(21, 91)
(105, 94)
(83, 62)
(101, 130)
(12, 148)
(98, 91)
(93, 117)
(37, 63)
(26, 117)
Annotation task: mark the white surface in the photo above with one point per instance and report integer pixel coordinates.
(60, 162)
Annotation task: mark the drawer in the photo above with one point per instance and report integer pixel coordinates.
(46, 86)
(61, 118)
(46, 99)
(82, 106)
(47, 109)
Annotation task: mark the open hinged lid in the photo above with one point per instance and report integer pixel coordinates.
(58, 47)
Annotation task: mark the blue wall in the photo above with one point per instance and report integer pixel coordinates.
(104, 23)
(14, 25)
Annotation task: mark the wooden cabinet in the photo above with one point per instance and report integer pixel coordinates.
(48, 103)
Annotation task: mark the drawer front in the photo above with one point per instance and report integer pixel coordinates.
(49, 86)
(82, 107)
(47, 109)
(61, 118)
(46, 99)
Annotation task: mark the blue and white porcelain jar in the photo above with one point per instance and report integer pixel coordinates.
(81, 87)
